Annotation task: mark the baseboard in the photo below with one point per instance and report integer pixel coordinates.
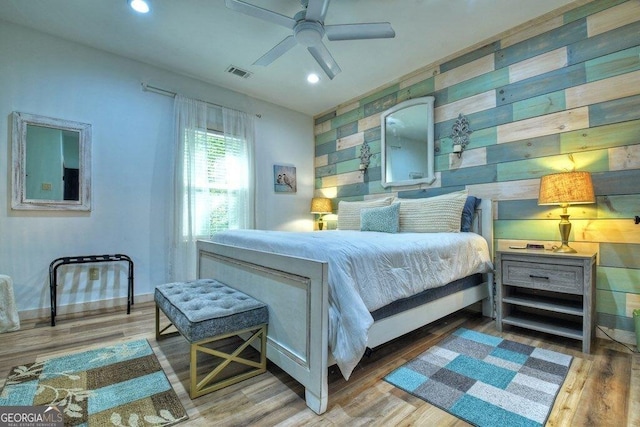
(627, 337)
(45, 312)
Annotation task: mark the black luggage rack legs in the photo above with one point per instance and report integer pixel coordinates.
(53, 276)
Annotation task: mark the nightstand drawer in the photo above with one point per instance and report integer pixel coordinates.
(551, 277)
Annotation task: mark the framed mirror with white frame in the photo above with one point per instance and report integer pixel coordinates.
(407, 143)
(51, 163)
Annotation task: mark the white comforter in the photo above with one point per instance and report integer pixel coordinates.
(368, 270)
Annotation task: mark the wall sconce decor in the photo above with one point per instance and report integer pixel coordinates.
(365, 156)
(563, 189)
(320, 206)
(460, 134)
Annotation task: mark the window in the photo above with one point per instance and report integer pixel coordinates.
(219, 181)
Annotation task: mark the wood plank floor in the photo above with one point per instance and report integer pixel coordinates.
(602, 388)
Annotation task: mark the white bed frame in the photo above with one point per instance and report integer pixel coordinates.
(296, 291)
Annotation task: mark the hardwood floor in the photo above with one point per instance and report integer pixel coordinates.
(602, 388)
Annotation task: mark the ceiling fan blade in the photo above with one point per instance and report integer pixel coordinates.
(275, 53)
(377, 30)
(324, 58)
(260, 13)
(317, 10)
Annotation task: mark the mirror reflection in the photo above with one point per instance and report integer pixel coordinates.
(51, 163)
(407, 143)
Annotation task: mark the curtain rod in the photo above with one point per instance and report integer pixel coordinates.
(148, 88)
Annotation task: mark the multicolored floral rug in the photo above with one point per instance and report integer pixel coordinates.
(119, 385)
(486, 380)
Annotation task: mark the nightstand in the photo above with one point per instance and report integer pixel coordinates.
(548, 292)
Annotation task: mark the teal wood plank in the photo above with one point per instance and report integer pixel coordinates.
(607, 136)
(327, 148)
(327, 170)
(614, 64)
(527, 230)
(348, 166)
(373, 174)
(347, 129)
(353, 190)
(542, 84)
(429, 192)
(621, 206)
(441, 162)
(351, 116)
(466, 176)
(471, 56)
(546, 42)
(478, 121)
(380, 104)
(473, 86)
(342, 155)
(543, 146)
(318, 183)
(324, 118)
(619, 279)
(618, 110)
(380, 94)
(622, 255)
(589, 9)
(615, 322)
(372, 134)
(611, 302)
(375, 187)
(616, 182)
(592, 161)
(325, 137)
(539, 105)
(603, 44)
(374, 148)
(423, 88)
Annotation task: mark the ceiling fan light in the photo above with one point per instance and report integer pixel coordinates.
(140, 6)
(308, 33)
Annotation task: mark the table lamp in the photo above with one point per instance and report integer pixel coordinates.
(564, 189)
(320, 206)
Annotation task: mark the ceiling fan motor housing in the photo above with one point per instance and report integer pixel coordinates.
(308, 33)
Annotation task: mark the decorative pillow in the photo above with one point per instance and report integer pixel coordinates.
(349, 212)
(385, 219)
(433, 214)
(470, 206)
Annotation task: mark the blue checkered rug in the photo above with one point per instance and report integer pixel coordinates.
(486, 380)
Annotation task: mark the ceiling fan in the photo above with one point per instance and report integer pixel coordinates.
(309, 29)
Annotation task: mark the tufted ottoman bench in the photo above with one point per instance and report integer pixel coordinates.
(204, 311)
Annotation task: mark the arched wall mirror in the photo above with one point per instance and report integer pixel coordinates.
(407, 143)
(51, 163)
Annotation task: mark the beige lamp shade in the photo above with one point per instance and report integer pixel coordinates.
(567, 188)
(564, 189)
(321, 205)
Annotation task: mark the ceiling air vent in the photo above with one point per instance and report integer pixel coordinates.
(238, 72)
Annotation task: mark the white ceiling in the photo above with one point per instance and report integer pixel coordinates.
(201, 38)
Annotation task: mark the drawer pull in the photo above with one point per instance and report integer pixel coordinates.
(538, 277)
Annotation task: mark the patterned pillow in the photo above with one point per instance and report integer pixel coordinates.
(349, 212)
(385, 219)
(432, 214)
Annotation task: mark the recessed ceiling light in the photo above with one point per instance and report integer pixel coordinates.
(140, 6)
(313, 78)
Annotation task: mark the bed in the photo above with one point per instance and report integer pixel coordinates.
(298, 288)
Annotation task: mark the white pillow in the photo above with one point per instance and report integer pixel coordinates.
(349, 212)
(432, 214)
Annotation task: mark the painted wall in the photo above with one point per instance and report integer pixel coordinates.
(559, 94)
(131, 149)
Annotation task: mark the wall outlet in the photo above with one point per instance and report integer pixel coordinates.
(94, 273)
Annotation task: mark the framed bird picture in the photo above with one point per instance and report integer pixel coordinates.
(284, 179)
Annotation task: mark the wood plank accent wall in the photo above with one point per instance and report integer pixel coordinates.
(562, 94)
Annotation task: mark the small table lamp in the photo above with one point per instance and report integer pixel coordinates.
(320, 206)
(564, 189)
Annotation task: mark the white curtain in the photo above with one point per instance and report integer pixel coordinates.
(213, 179)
